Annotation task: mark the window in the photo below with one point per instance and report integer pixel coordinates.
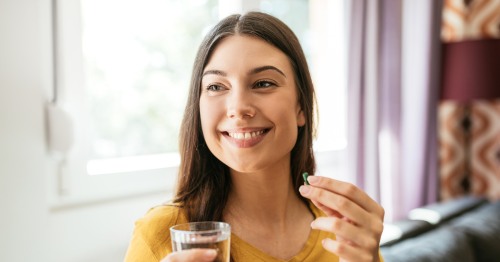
(124, 71)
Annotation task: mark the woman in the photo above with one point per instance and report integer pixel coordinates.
(246, 138)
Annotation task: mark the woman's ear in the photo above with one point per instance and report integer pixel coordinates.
(301, 119)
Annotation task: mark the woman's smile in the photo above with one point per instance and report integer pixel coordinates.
(244, 138)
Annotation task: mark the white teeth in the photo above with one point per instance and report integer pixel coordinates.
(245, 135)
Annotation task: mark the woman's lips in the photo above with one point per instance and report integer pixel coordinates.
(245, 139)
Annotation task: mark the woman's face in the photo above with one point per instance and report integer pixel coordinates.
(248, 106)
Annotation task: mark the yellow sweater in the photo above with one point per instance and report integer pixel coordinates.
(151, 240)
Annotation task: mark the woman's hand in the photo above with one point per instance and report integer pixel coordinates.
(355, 218)
(192, 255)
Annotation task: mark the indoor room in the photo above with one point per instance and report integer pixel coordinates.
(111, 111)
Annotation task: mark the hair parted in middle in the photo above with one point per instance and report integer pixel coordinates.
(204, 181)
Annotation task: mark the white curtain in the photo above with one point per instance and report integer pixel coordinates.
(393, 88)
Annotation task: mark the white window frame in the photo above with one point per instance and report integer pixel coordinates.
(70, 184)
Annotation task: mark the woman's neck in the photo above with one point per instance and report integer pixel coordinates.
(264, 211)
(263, 198)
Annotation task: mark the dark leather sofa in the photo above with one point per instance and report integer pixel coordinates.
(462, 230)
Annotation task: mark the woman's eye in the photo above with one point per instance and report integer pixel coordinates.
(264, 84)
(214, 88)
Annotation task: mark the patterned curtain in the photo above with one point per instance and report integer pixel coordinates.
(469, 111)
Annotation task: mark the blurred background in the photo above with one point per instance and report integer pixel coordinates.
(92, 94)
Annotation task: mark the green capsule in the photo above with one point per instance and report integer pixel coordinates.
(305, 175)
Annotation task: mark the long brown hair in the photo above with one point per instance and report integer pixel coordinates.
(204, 181)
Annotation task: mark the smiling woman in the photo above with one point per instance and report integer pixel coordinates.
(122, 69)
(247, 140)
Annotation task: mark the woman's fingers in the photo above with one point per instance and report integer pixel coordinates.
(328, 211)
(335, 202)
(192, 255)
(346, 251)
(348, 190)
(347, 232)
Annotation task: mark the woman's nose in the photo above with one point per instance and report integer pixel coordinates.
(239, 104)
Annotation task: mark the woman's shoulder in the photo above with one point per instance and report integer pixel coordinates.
(156, 223)
(151, 239)
(160, 216)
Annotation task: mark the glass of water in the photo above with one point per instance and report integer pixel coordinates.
(214, 235)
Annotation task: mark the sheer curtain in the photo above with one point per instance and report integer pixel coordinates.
(392, 91)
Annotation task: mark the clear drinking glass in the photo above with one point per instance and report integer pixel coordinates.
(215, 235)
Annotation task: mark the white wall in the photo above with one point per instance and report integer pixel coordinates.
(29, 229)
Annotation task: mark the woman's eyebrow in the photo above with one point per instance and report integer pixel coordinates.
(266, 67)
(253, 71)
(214, 72)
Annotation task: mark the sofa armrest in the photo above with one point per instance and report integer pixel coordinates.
(482, 227)
(402, 229)
(443, 211)
(439, 245)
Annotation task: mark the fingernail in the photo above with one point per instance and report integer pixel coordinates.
(312, 179)
(210, 254)
(304, 190)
